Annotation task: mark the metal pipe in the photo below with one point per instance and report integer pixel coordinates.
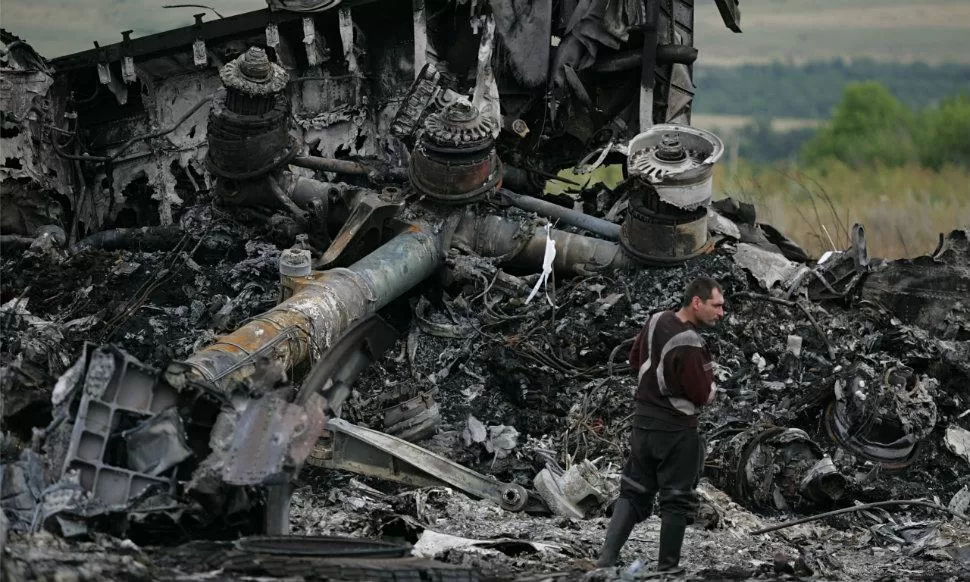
(520, 245)
(321, 307)
(325, 303)
(576, 254)
(331, 165)
(862, 507)
(648, 62)
(14, 241)
(145, 237)
(629, 60)
(604, 228)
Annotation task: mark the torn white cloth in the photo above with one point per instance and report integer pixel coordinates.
(547, 259)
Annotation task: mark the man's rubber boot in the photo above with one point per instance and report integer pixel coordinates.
(672, 528)
(621, 524)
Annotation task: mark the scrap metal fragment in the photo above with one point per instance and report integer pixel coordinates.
(310, 41)
(428, 93)
(419, 21)
(374, 453)
(718, 224)
(774, 468)
(157, 444)
(475, 431)
(436, 328)
(837, 273)
(957, 440)
(928, 291)
(346, 20)
(322, 546)
(730, 13)
(525, 26)
(882, 417)
(367, 222)
(117, 389)
(770, 269)
(272, 439)
(960, 501)
(572, 493)
(432, 543)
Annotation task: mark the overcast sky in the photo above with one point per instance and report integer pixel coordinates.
(60, 27)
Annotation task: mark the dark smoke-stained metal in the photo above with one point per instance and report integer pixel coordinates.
(249, 123)
(881, 418)
(671, 169)
(773, 468)
(252, 82)
(657, 233)
(455, 161)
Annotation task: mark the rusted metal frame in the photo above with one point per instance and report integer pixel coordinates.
(179, 38)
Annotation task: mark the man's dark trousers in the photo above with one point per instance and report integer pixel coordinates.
(664, 461)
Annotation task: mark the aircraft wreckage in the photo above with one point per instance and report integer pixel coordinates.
(309, 236)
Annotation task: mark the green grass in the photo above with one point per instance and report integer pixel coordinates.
(902, 209)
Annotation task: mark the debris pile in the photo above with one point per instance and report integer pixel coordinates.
(207, 328)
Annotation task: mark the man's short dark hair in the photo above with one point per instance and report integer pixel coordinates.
(702, 287)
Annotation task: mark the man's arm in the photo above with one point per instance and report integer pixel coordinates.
(639, 350)
(696, 371)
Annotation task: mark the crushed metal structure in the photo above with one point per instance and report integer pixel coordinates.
(310, 238)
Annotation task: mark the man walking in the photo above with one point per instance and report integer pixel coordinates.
(675, 379)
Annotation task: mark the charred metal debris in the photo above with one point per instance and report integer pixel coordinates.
(309, 237)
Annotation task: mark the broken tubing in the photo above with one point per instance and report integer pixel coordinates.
(325, 303)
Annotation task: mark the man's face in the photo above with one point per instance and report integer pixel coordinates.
(708, 312)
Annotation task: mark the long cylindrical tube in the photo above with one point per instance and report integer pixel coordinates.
(331, 165)
(510, 240)
(604, 228)
(326, 303)
(322, 306)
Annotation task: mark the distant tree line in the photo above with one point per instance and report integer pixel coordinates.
(812, 90)
(871, 126)
(758, 142)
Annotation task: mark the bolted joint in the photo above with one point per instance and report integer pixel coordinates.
(253, 74)
(295, 263)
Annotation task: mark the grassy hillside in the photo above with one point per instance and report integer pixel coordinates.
(902, 209)
(796, 31)
(811, 90)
